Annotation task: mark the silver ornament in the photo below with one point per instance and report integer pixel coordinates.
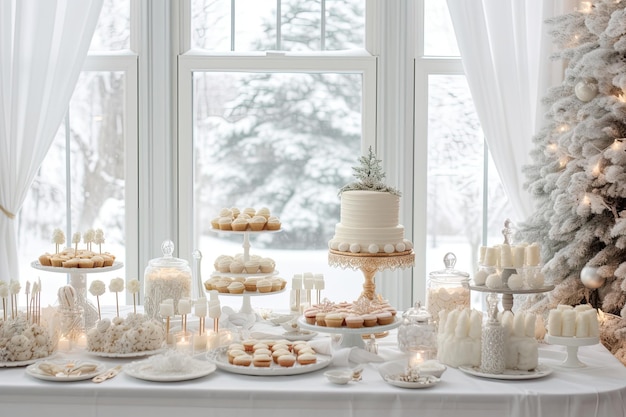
(586, 89)
(590, 277)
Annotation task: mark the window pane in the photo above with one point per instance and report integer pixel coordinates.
(455, 173)
(284, 141)
(439, 38)
(113, 29)
(96, 180)
(301, 25)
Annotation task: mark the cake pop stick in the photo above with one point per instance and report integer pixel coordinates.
(76, 241)
(4, 293)
(99, 239)
(117, 285)
(133, 287)
(309, 284)
(215, 311)
(27, 292)
(15, 288)
(167, 310)
(184, 308)
(201, 310)
(97, 288)
(88, 238)
(33, 303)
(319, 286)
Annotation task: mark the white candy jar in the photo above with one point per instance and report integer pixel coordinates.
(448, 289)
(417, 333)
(165, 278)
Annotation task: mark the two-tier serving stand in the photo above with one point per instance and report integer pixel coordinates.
(369, 264)
(246, 305)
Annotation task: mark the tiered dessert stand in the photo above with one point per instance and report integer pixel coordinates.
(78, 280)
(246, 306)
(506, 272)
(369, 264)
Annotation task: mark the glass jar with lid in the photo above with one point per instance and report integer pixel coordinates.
(448, 289)
(165, 278)
(417, 333)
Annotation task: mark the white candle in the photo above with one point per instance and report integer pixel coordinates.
(481, 254)
(213, 295)
(416, 358)
(568, 327)
(533, 254)
(200, 342)
(167, 309)
(64, 344)
(506, 256)
(490, 256)
(519, 253)
(184, 306)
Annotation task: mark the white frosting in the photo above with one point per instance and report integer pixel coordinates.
(369, 218)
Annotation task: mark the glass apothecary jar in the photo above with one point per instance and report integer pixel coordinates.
(417, 333)
(448, 289)
(165, 278)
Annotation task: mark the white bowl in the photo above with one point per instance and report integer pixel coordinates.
(338, 377)
(433, 368)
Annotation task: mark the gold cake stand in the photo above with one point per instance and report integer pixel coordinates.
(369, 264)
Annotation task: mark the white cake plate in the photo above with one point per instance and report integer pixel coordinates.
(572, 344)
(350, 337)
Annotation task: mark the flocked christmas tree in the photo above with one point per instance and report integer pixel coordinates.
(578, 174)
(370, 176)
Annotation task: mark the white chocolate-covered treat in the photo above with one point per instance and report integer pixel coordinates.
(136, 333)
(21, 340)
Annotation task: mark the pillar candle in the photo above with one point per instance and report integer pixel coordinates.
(519, 255)
(533, 254)
(166, 309)
(184, 306)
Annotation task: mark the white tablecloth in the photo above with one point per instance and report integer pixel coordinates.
(599, 389)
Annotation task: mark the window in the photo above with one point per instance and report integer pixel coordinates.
(466, 206)
(88, 179)
(277, 129)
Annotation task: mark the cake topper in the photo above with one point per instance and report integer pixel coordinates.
(370, 176)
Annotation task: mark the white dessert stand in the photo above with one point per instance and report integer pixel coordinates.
(78, 280)
(507, 293)
(369, 264)
(246, 306)
(350, 337)
(572, 344)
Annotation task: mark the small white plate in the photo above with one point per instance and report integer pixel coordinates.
(34, 371)
(126, 355)
(299, 335)
(144, 370)
(339, 377)
(430, 381)
(511, 374)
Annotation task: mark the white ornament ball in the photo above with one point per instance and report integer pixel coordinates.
(515, 282)
(586, 90)
(493, 281)
(389, 248)
(344, 247)
(355, 248)
(408, 244)
(590, 278)
(480, 277)
(333, 244)
(373, 248)
(400, 247)
(537, 280)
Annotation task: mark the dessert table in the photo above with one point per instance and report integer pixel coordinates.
(598, 389)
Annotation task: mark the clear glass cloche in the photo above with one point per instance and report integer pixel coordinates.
(417, 332)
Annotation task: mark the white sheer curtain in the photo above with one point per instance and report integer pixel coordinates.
(42, 48)
(505, 51)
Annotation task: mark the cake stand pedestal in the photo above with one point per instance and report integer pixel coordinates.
(350, 337)
(369, 264)
(572, 344)
(507, 293)
(78, 280)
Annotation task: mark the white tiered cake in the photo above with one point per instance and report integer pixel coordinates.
(369, 223)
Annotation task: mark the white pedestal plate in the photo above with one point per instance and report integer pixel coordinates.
(78, 280)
